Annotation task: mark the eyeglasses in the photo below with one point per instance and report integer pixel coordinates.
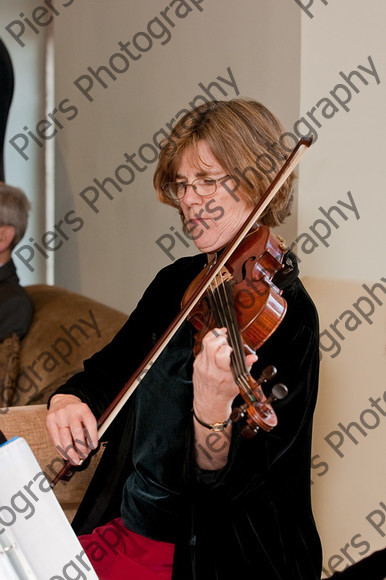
(203, 187)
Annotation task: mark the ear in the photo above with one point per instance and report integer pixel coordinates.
(7, 234)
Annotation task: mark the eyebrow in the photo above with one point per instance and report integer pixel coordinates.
(201, 173)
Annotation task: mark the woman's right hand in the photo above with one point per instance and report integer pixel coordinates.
(72, 427)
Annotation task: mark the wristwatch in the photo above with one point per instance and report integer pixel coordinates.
(218, 426)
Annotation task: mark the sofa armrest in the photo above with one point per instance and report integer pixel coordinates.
(29, 422)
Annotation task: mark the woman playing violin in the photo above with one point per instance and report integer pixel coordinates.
(186, 495)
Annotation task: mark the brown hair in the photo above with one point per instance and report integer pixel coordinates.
(14, 208)
(241, 134)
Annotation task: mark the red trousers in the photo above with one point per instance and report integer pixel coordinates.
(117, 553)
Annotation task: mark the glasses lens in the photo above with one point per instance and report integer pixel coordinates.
(172, 189)
(205, 187)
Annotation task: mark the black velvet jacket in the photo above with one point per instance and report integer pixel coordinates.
(251, 517)
(16, 308)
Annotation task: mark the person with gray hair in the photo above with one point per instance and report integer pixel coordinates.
(15, 305)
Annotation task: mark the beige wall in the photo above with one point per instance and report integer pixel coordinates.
(349, 467)
(348, 460)
(349, 152)
(114, 255)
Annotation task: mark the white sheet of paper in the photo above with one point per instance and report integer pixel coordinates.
(30, 512)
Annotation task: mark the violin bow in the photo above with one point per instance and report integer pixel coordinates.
(124, 395)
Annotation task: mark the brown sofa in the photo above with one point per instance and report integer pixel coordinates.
(67, 328)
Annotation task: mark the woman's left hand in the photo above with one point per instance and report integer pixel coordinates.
(213, 381)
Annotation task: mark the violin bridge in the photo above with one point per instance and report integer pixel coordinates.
(223, 276)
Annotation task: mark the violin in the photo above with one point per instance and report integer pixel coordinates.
(244, 299)
(258, 409)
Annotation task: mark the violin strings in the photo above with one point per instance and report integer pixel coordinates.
(222, 313)
(234, 329)
(222, 304)
(226, 316)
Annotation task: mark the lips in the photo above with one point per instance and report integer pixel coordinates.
(200, 219)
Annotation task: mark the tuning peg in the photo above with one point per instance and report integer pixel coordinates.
(267, 374)
(238, 413)
(278, 392)
(248, 432)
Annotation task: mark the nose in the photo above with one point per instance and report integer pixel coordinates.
(191, 196)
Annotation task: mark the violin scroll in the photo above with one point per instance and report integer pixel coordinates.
(260, 413)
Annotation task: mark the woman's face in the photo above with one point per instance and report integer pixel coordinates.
(213, 220)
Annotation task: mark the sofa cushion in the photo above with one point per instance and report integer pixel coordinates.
(67, 328)
(9, 368)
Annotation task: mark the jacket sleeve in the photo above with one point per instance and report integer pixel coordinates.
(107, 371)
